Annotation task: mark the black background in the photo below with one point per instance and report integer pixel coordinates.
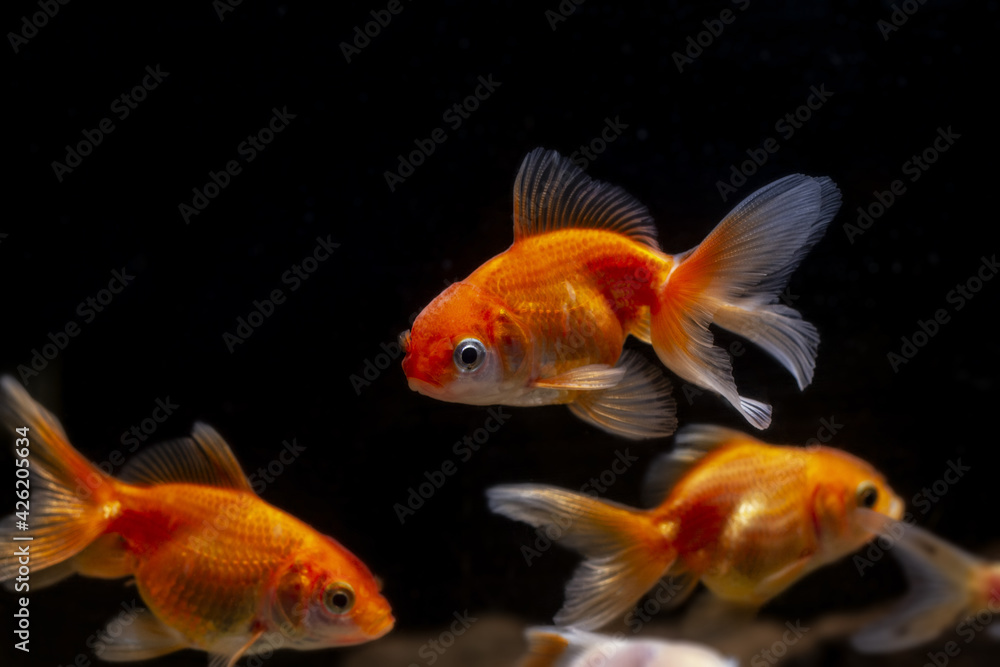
(324, 176)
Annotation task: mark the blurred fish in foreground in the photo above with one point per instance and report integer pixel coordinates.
(949, 588)
(747, 518)
(555, 647)
(545, 321)
(219, 569)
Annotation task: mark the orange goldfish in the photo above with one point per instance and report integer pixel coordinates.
(545, 321)
(745, 517)
(949, 588)
(219, 569)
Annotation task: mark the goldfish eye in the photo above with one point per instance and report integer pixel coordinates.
(404, 340)
(867, 495)
(338, 598)
(469, 354)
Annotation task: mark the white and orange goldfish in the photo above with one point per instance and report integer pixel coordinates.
(545, 321)
(562, 647)
(219, 569)
(949, 588)
(746, 518)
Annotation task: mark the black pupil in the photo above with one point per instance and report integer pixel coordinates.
(469, 355)
(339, 600)
(868, 497)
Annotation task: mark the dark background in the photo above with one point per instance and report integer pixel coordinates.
(162, 336)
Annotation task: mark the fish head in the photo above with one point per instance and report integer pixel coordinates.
(329, 598)
(846, 487)
(466, 347)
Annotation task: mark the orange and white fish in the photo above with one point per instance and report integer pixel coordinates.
(544, 322)
(219, 569)
(949, 589)
(746, 518)
(567, 647)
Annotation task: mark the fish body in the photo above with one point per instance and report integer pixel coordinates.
(545, 321)
(558, 647)
(949, 589)
(746, 518)
(218, 568)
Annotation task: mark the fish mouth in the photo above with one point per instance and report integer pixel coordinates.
(422, 383)
(382, 625)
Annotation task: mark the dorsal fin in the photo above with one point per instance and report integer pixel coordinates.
(204, 458)
(552, 193)
(691, 444)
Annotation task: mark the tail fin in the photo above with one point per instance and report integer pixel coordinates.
(943, 585)
(66, 490)
(734, 277)
(624, 550)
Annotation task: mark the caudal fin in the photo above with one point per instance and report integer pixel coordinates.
(942, 587)
(625, 554)
(66, 491)
(734, 277)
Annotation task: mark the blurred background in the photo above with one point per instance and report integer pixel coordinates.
(124, 228)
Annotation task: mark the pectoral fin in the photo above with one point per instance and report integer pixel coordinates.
(139, 635)
(585, 378)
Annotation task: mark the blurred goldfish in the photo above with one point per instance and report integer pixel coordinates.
(948, 588)
(219, 569)
(544, 322)
(557, 647)
(747, 518)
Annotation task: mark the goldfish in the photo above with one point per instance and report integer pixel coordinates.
(545, 321)
(557, 647)
(948, 587)
(219, 569)
(746, 518)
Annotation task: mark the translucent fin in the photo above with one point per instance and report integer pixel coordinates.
(66, 489)
(778, 330)
(625, 553)
(105, 558)
(744, 263)
(939, 575)
(552, 193)
(640, 406)
(204, 458)
(585, 378)
(547, 647)
(143, 638)
(691, 444)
